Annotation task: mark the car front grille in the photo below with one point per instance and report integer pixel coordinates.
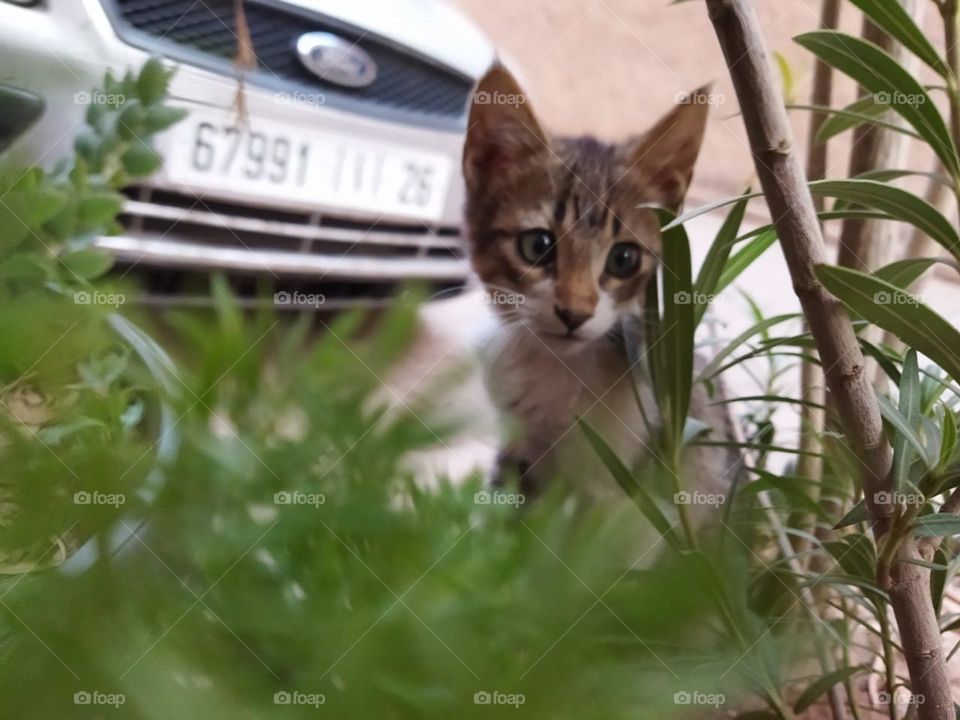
(407, 87)
(178, 232)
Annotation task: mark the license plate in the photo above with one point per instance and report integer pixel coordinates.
(277, 160)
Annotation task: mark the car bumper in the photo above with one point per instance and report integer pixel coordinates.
(63, 49)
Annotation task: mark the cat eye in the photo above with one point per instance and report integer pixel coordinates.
(536, 246)
(623, 260)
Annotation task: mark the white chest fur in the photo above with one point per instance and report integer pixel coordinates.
(543, 384)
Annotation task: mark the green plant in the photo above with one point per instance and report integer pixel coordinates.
(195, 581)
(884, 500)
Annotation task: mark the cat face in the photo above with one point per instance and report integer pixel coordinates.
(557, 232)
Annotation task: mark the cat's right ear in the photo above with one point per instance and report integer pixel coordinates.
(502, 132)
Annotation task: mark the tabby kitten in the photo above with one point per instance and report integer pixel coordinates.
(561, 240)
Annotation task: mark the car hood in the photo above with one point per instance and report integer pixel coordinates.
(429, 27)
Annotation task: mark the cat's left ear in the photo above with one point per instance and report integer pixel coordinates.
(660, 162)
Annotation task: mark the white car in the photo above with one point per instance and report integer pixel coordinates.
(343, 171)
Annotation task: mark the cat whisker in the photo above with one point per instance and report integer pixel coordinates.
(451, 291)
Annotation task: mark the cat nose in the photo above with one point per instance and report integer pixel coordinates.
(571, 318)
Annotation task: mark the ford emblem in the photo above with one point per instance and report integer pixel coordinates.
(336, 60)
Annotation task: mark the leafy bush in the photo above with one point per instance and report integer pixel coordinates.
(237, 533)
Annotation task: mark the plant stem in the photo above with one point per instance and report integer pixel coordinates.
(889, 661)
(866, 245)
(812, 414)
(950, 11)
(686, 522)
(848, 682)
(795, 219)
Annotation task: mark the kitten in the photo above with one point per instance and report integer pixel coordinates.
(564, 250)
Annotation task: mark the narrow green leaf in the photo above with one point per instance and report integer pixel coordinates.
(891, 17)
(948, 440)
(732, 346)
(771, 399)
(678, 327)
(886, 363)
(897, 203)
(937, 525)
(651, 335)
(938, 579)
(903, 273)
(822, 684)
(716, 260)
(909, 413)
(862, 110)
(889, 83)
(630, 484)
(901, 425)
(824, 217)
(709, 207)
(856, 554)
(794, 489)
(858, 514)
(896, 311)
(745, 258)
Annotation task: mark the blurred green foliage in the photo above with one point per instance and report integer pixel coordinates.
(190, 538)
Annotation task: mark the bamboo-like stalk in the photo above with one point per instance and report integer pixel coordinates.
(792, 209)
(812, 380)
(920, 244)
(867, 244)
(791, 206)
(812, 415)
